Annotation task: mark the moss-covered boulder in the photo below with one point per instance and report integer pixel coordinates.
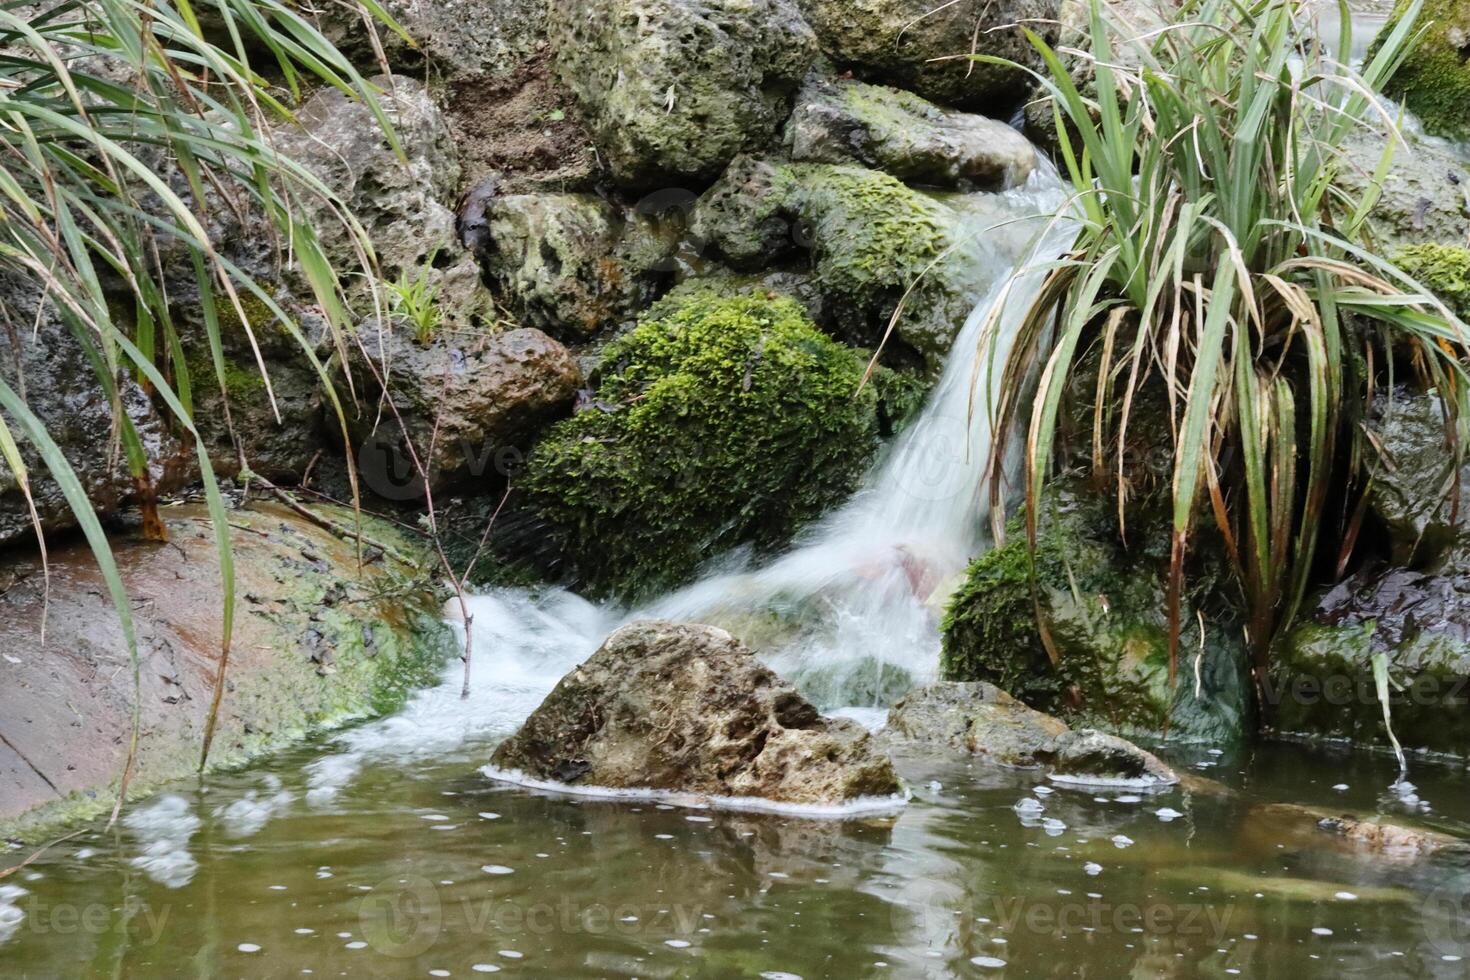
(319, 639)
(716, 422)
(674, 89)
(866, 239)
(1434, 81)
(1104, 608)
(924, 46)
(845, 121)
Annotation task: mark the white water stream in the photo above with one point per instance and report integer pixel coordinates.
(850, 613)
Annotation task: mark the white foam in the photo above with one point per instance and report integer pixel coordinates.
(11, 914)
(164, 828)
(861, 806)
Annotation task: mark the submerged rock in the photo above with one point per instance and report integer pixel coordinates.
(870, 241)
(718, 421)
(42, 361)
(469, 405)
(665, 706)
(319, 639)
(674, 89)
(1289, 823)
(906, 136)
(1104, 607)
(981, 719)
(573, 264)
(925, 46)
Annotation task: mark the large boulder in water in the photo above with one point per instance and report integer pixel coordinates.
(665, 706)
(925, 46)
(1103, 603)
(981, 719)
(324, 633)
(674, 89)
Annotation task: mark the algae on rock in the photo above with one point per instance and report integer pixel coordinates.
(1104, 610)
(1434, 80)
(716, 422)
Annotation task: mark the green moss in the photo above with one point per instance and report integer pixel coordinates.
(1443, 269)
(1104, 610)
(1434, 81)
(717, 422)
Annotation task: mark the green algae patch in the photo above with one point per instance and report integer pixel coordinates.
(718, 421)
(1442, 269)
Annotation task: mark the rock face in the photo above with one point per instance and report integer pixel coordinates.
(571, 264)
(674, 89)
(317, 642)
(42, 362)
(1423, 193)
(455, 37)
(897, 42)
(1104, 609)
(665, 706)
(867, 239)
(1413, 492)
(981, 719)
(476, 400)
(402, 206)
(903, 135)
(717, 422)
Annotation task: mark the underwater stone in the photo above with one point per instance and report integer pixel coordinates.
(666, 706)
(674, 89)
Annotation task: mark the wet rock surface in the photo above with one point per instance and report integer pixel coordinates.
(1415, 494)
(981, 719)
(1423, 195)
(317, 641)
(926, 47)
(674, 89)
(666, 706)
(841, 121)
(42, 361)
(464, 400)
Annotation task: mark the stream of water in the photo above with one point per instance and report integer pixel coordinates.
(384, 851)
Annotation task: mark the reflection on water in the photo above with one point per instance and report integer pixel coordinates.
(421, 867)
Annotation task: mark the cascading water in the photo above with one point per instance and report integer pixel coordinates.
(850, 614)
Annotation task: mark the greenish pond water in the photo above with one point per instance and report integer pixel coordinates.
(429, 869)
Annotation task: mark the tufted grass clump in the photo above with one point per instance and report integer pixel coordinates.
(716, 422)
(1219, 254)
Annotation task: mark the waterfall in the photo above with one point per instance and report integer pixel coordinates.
(850, 613)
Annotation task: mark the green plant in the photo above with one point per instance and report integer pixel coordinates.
(1218, 252)
(414, 297)
(125, 123)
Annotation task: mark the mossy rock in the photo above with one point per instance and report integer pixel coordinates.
(1434, 80)
(1442, 269)
(716, 422)
(868, 239)
(1106, 613)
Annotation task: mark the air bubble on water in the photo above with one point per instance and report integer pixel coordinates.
(248, 948)
(1121, 841)
(1321, 931)
(1092, 868)
(496, 869)
(677, 943)
(989, 962)
(1167, 813)
(1028, 805)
